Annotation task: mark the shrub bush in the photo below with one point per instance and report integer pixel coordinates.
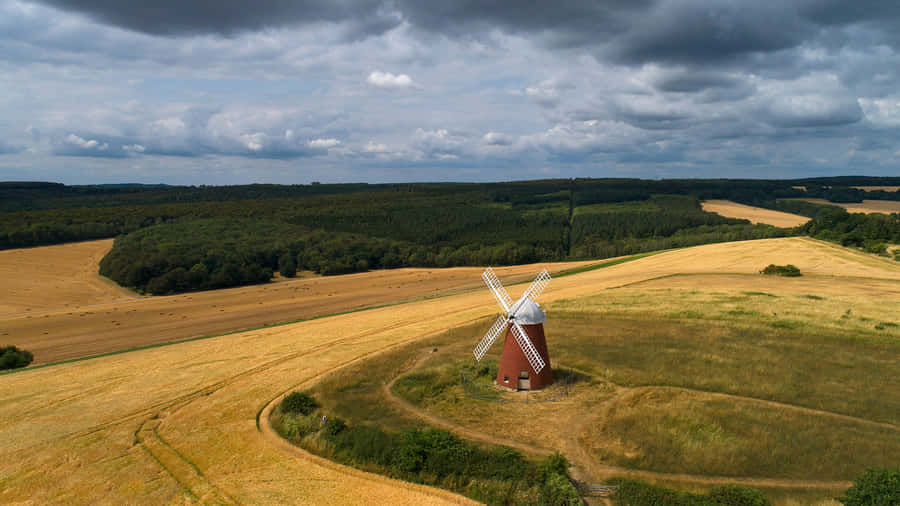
(558, 490)
(737, 495)
(298, 402)
(781, 270)
(638, 493)
(876, 487)
(334, 426)
(14, 358)
(554, 464)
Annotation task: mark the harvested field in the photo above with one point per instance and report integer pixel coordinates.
(808, 284)
(875, 188)
(179, 423)
(731, 209)
(50, 277)
(866, 206)
(101, 317)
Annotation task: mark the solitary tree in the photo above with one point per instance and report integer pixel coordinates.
(13, 358)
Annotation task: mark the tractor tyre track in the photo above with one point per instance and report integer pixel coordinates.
(188, 474)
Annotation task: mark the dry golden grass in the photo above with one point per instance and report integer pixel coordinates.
(49, 277)
(866, 206)
(731, 209)
(60, 309)
(178, 422)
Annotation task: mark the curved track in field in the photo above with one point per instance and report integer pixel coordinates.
(592, 470)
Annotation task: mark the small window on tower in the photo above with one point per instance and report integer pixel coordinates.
(506, 379)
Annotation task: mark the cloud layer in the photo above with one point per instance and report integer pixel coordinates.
(373, 90)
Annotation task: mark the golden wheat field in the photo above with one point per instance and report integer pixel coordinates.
(866, 206)
(731, 209)
(56, 277)
(59, 308)
(874, 188)
(186, 423)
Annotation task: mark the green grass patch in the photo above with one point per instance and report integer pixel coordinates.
(810, 367)
(685, 432)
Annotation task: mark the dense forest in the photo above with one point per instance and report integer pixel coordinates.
(173, 239)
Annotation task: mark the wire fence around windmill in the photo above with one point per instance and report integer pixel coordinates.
(560, 389)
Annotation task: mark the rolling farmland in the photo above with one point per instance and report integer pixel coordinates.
(731, 209)
(180, 422)
(60, 309)
(866, 206)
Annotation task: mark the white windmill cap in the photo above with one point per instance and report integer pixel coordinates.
(529, 312)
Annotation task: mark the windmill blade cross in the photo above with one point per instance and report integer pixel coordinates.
(537, 286)
(534, 358)
(496, 287)
(496, 329)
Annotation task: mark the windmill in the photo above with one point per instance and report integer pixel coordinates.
(524, 363)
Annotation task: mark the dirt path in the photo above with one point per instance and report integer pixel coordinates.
(440, 423)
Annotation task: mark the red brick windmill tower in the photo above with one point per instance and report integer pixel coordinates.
(524, 363)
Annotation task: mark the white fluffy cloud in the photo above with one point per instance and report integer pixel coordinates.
(497, 139)
(75, 140)
(388, 80)
(323, 143)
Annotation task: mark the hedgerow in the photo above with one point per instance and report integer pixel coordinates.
(491, 474)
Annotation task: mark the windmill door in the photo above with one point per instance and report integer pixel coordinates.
(524, 381)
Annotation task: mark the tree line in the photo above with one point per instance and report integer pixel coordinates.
(177, 239)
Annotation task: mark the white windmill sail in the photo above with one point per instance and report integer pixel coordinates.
(497, 289)
(538, 285)
(496, 329)
(534, 358)
(525, 310)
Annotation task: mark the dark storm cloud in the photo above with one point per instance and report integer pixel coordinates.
(561, 23)
(227, 17)
(710, 32)
(838, 12)
(629, 31)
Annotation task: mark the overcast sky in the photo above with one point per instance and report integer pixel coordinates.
(294, 91)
